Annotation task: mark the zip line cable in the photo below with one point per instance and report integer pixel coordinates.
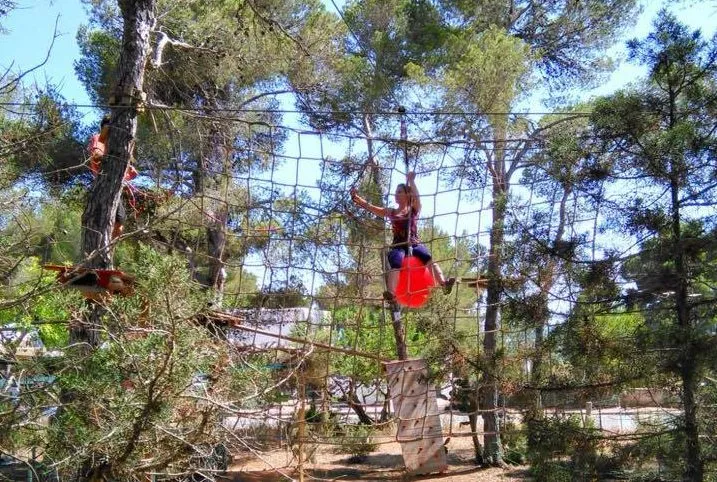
(150, 106)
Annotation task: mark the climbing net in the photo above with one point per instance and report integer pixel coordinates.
(288, 201)
(261, 211)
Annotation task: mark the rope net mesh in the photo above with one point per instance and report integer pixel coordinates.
(261, 210)
(284, 195)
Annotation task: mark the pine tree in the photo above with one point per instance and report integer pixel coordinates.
(662, 133)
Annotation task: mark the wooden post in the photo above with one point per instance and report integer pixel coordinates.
(302, 423)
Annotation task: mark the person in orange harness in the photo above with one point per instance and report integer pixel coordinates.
(97, 148)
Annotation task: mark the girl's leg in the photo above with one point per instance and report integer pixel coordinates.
(437, 273)
(395, 260)
(120, 219)
(117, 230)
(424, 255)
(392, 281)
(447, 283)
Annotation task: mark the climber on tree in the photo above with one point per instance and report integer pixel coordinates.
(97, 148)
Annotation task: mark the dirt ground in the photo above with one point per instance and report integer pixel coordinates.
(385, 464)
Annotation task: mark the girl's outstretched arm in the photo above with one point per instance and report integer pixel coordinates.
(415, 197)
(362, 203)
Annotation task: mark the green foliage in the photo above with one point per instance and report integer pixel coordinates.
(515, 443)
(657, 452)
(493, 58)
(663, 450)
(364, 330)
(254, 380)
(290, 294)
(654, 137)
(38, 141)
(97, 67)
(233, 55)
(489, 73)
(140, 385)
(34, 298)
(356, 441)
(140, 391)
(567, 38)
(368, 66)
(48, 234)
(597, 347)
(241, 287)
(552, 440)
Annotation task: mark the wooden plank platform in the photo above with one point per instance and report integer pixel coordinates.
(479, 283)
(93, 281)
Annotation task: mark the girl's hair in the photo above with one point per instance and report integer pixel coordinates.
(403, 187)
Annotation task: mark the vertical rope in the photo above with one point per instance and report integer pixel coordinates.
(404, 143)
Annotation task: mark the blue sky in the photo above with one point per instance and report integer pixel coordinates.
(31, 24)
(697, 15)
(30, 35)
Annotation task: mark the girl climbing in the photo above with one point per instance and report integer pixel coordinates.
(404, 221)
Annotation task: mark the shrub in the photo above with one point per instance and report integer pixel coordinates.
(357, 441)
(561, 446)
(515, 443)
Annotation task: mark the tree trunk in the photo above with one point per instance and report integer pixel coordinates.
(217, 229)
(694, 469)
(694, 464)
(399, 332)
(104, 197)
(216, 243)
(372, 164)
(473, 407)
(477, 447)
(355, 404)
(547, 281)
(386, 407)
(536, 372)
(492, 448)
(489, 383)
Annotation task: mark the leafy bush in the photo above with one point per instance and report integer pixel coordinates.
(515, 443)
(561, 448)
(356, 441)
(140, 384)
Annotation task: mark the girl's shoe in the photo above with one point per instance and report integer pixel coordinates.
(448, 285)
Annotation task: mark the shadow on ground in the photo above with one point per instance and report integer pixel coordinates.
(386, 467)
